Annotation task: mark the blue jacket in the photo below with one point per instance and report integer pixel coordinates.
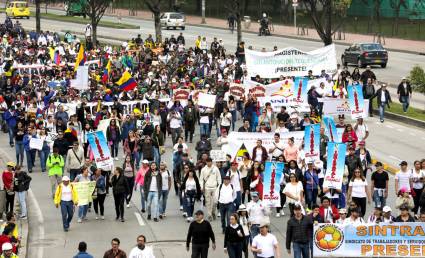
(83, 255)
(10, 118)
(26, 141)
(311, 179)
(126, 127)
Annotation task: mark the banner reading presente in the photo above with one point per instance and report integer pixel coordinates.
(99, 146)
(369, 240)
(290, 62)
(272, 174)
(335, 166)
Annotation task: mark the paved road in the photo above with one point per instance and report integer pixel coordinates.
(400, 63)
(391, 143)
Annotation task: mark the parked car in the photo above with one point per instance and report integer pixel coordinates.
(173, 20)
(18, 9)
(75, 7)
(363, 54)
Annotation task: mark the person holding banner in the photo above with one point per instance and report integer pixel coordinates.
(83, 208)
(66, 196)
(294, 192)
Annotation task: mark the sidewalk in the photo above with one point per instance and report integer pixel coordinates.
(402, 45)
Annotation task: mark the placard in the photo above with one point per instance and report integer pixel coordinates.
(206, 100)
(218, 155)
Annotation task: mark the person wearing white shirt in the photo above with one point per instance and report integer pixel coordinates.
(225, 195)
(361, 129)
(175, 120)
(277, 149)
(141, 250)
(236, 181)
(265, 244)
(258, 213)
(354, 218)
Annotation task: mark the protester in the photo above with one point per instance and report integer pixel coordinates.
(21, 184)
(55, 163)
(265, 244)
(141, 250)
(66, 197)
(115, 252)
(152, 188)
(99, 194)
(199, 233)
(119, 188)
(82, 251)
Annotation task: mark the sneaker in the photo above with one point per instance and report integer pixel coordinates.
(128, 206)
(122, 220)
(117, 218)
(160, 216)
(143, 210)
(188, 219)
(163, 215)
(181, 208)
(278, 215)
(97, 218)
(23, 217)
(79, 220)
(284, 206)
(282, 213)
(218, 215)
(155, 219)
(149, 217)
(185, 214)
(102, 217)
(116, 158)
(66, 229)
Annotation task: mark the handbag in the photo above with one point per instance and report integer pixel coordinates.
(94, 194)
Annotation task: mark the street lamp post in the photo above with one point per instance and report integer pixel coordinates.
(203, 12)
(295, 4)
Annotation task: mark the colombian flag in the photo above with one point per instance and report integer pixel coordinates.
(126, 82)
(81, 57)
(57, 58)
(106, 72)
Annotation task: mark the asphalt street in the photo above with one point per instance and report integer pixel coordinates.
(389, 142)
(399, 64)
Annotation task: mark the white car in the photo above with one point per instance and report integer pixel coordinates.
(173, 20)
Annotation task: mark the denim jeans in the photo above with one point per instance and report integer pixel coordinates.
(190, 202)
(156, 155)
(19, 149)
(175, 134)
(311, 197)
(234, 249)
(30, 159)
(234, 116)
(22, 202)
(182, 201)
(381, 111)
(342, 202)
(152, 203)
(163, 201)
(67, 210)
(11, 134)
(405, 102)
(135, 157)
(379, 200)
(225, 212)
(301, 250)
(205, 129)
(238, 199)
(255, 230)
(82, 211)
(142, 198)
(43, 159)
(114, 148)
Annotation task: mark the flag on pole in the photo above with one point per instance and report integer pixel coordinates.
(81, 58)
(106, 72)
(126, 82)
(56, 58)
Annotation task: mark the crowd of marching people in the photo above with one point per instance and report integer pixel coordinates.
(35, 86)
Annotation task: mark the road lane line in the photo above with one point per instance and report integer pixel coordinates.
(412, 134)
(400, 130)
(391, 156)
(139, 219)
(390, 126)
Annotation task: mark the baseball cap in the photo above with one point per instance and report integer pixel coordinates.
(386, 209)
(65, 178)
(403, 163)
(7, 247)
(242, 207)
(145, 161)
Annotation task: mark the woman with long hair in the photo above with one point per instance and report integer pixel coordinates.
(191, 191)
(418, 176)
(234, 237)
(19, 142)
(45, 150)
(294, 192)
(256, 174)
(245, 169)
(291, 151)
(99, 193)
(86, 130)
(120, 189)
(158, 141)
(129, 173)
(131, 145)
(113, 136)
(349, 136)
(358, 191)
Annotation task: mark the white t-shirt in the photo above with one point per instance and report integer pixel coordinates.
(403, 179)
(165, 176)
(190, 184)
(235, 177)
(145, 253)
(361, 131)
(266, 244)
(294, 190)
(66, 193)
(154, 184)
(279, 147)
(358, 188)
(417, 184)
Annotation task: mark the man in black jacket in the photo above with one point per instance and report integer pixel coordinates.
(383, 99)
(200, 232)
(297, 233)
(368, 93)
(404, 92)
(189, 119)
(203, 146)
(21, 186)
(62, 144)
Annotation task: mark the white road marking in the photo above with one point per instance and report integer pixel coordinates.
(389, 126)
(139, 219)
(391, 156)
(412, 134)
(400, 130)
(40, 221)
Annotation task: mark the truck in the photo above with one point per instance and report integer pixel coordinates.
(76, 7)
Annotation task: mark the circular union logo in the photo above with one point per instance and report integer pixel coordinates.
(328, 238)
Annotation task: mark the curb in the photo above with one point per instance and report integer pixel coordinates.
(390, 169)
(403, 119)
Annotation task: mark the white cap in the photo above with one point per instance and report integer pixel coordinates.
(145, 161)
(386, 209)
(65, 178)
(7, 246)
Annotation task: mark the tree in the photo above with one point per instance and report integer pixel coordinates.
(37, 16)
(235, 7)
(417, 79)
(95, 9)
(396, 5)
(155, 7)
(324, 20)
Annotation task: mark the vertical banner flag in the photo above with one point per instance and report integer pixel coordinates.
(100, 149)
(300, 90)
(330, 128)
(311, 142)
(272, 174)
(335, 166)
(356, 100)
